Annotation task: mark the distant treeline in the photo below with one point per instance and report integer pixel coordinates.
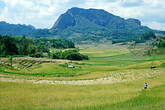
(17, 45)
(97, 35)
(139, 39)
(90, 35)
(55, 43)
(69, 55)
(10, 46)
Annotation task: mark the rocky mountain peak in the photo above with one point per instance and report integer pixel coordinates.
(96, 17)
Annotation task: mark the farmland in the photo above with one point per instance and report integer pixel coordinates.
(112, 79)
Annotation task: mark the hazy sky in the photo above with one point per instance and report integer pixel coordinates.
(43, 13)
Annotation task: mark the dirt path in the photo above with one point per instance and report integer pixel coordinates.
(109, 79)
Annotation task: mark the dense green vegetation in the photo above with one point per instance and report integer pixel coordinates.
(20, 46)
(10, 45)
(95, 35)
(148, 35)
(69, 55)
(55, 43)
(36, 47)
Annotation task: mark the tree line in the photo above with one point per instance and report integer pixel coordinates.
(69, 55)
(55, 43)
(17, 45)
(149, 35)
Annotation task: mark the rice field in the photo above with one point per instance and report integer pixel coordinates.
(103, 60)
(100, 96)
(112, 79)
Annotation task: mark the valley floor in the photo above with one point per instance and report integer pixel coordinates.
(110, 96)
(112, 79)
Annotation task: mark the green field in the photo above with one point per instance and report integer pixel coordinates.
(103, 60)
(108, 64)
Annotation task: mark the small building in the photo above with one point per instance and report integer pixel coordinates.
(70, 66)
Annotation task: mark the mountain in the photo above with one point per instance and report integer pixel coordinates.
(15, 29)
(84, 26)
(85, 18)
(96, 25)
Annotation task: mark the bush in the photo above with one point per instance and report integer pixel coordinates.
(37, 55)
(69, 55)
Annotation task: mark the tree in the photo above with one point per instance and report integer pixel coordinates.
(69, 55)
(8, 46)
(23, 46)
(148, 35)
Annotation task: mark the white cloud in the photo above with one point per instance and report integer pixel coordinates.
(43, 13)
(40, 13)
(155, 25)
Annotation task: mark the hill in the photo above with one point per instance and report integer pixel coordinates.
(15, 29)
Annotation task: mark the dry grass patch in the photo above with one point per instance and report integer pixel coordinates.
(36, 96)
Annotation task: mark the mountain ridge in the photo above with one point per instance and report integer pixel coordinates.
(98, 17)
(15, 29)
(84, 25)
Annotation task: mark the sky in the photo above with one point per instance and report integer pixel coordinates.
(44, 13)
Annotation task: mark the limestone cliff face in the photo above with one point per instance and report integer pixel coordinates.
(78, 17)
(64, 21)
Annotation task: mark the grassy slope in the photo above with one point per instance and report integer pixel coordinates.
(106, 59)
(109, 96)
(102, 61)
(126, 95)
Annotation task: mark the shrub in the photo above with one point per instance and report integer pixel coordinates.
(69, 55)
